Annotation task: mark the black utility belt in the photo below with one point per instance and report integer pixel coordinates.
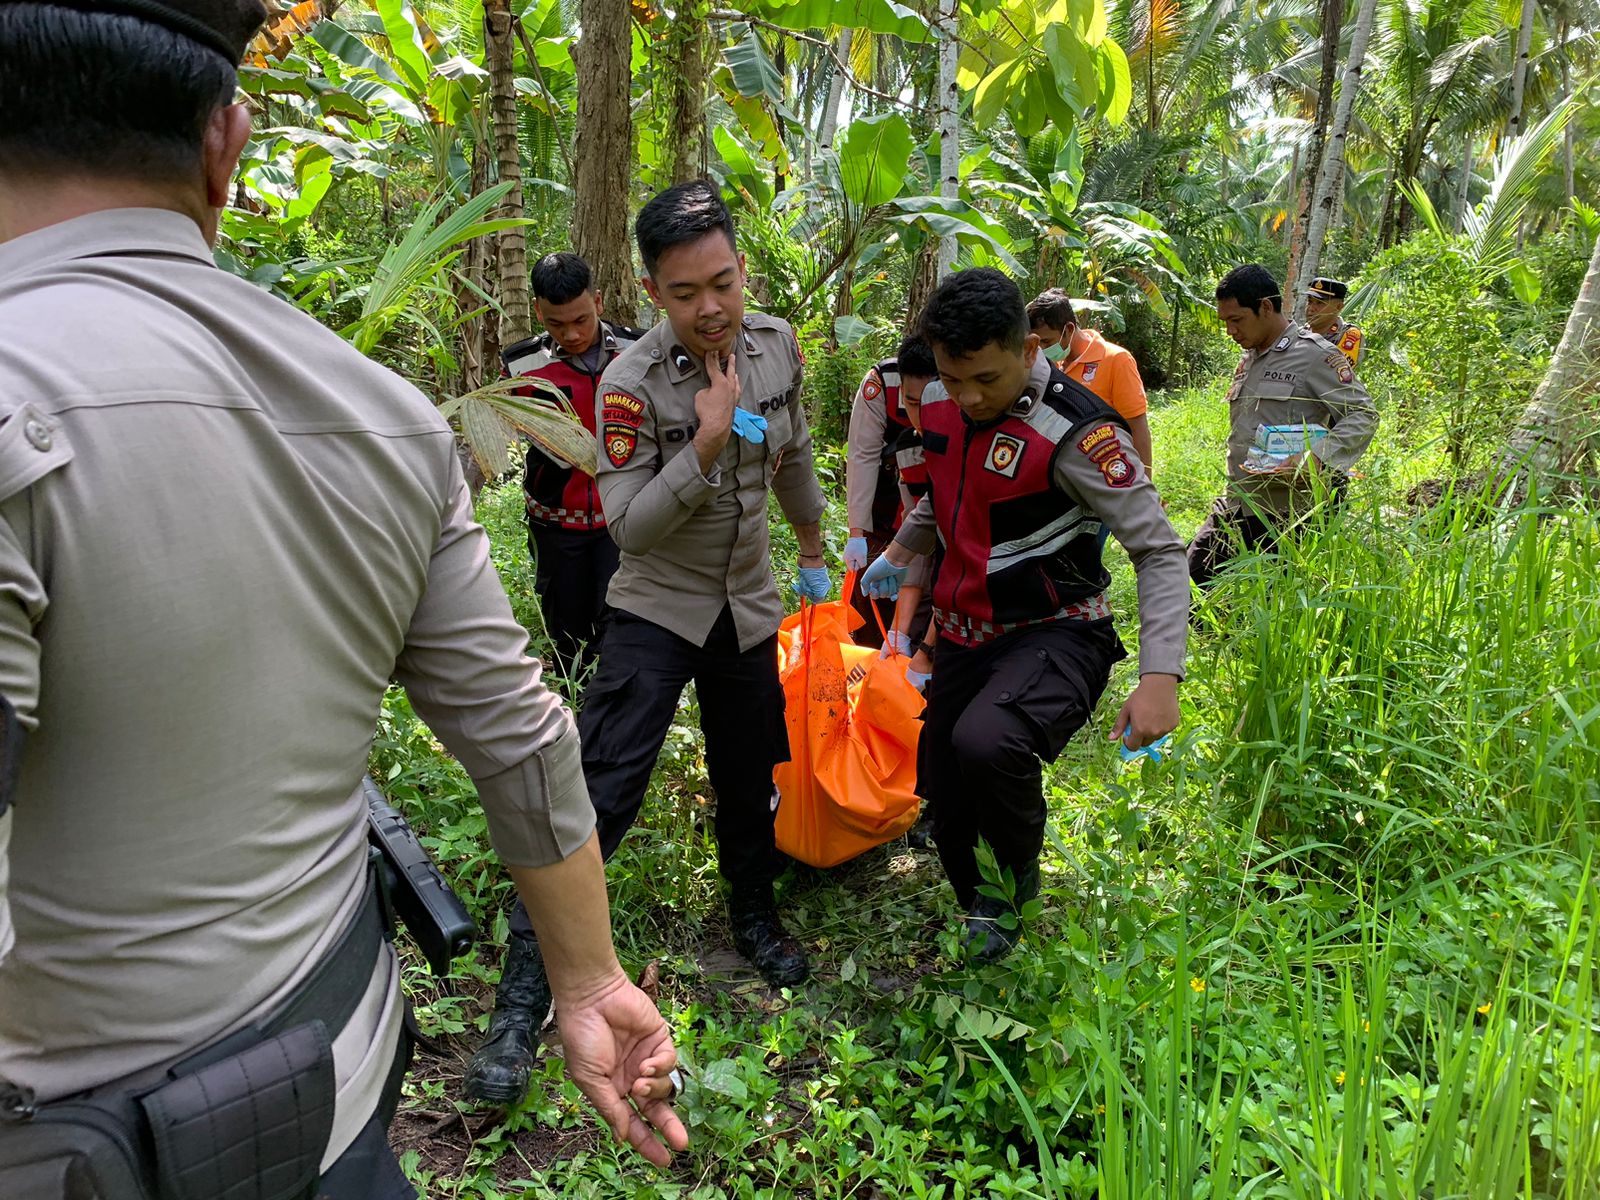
(247, 1118)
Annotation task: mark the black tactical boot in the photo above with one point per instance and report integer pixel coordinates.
(500, 1070)
(987, 939)
(761, 937)
(920, 835)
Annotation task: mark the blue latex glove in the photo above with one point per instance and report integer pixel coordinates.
(896, 643)
(918, 679)
(749, 426)
(1154, 751)
(882, 579)
(813, 584)
(855, 554)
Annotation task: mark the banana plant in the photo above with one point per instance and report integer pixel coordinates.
(490, 417)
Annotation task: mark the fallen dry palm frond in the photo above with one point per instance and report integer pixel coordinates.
(491, 416)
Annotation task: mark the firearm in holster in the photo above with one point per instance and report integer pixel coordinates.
(412, 886)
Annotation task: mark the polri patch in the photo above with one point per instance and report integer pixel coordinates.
(871, 386)
(1116, 469)
(1341, 367)
(1005, 454)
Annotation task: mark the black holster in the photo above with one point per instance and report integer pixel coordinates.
(246, 1118)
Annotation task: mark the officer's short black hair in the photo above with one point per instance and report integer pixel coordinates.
(684, 213)
(561, 278)
(915, 359)
(1051, 310)
(104, 95)
(972, 308)
(1249, 285)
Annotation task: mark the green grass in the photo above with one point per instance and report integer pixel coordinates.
(1343, 945)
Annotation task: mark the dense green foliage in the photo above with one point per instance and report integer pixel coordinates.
(1342, 945)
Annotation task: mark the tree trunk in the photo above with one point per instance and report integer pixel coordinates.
(604, 154)
(683, 91)
(1464, 183)
(923, 281)
(500, 44)
(949, 122)
(1519, 69)
(1332, 27)
(1568, 172)
(1330, 175)
(1552, 427)
(830, 108)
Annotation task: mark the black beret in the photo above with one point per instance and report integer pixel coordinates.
(225, 26)
(1329, 289)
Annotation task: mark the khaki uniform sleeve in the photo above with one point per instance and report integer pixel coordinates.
(919, 533)
(920, 573)
(644, 500)
(1108, 479)
(464, 666)
(22, 605)
(864, 449)
(1353, 418)
(1127, 388)
(794, 482)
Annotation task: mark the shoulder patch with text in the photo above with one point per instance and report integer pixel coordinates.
(1005, 453)
(1341, 367)
(1097, 438)
(871, 386)
(619, 426)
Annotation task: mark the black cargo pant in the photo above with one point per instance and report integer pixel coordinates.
(997, 712)
(1232, 526)
(571, 570)
(628, 709)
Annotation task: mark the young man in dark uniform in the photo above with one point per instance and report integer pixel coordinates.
(1024, 466)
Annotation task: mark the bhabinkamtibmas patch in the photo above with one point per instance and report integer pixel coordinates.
(619, 426)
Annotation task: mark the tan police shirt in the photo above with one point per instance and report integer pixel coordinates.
(222, 532)
(1302, 378)
(692, 543)
(1132, 512)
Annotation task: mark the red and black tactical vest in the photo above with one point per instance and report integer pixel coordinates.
(1014, 549)
(558, 494)
(885, 390)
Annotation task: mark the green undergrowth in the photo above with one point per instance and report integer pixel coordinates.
(1341, 945)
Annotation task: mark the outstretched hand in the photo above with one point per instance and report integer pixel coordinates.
(619, 1053)
(1149, 713)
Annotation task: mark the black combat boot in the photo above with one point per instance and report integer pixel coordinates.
(500, 1070)
(761, 937)
(987, 940)
(920, 835)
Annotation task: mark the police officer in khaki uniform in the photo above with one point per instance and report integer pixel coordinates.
(1325, 315)
(1292, 384)
(1025, 466)
(699, 421)
(222, 533)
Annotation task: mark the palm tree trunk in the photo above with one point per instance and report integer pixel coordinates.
(1330, 176)
(830, 109)
(949, 122)
(1568, 173)
(1550, 431)
(1332, 27)
(1464, 182)
(604, 154)
(500, 44)
(1519, 69)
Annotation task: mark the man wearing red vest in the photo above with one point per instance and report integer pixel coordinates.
(879, 423)
(574, 558)
(1024, 466)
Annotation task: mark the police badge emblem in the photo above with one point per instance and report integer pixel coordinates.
(1005, 453)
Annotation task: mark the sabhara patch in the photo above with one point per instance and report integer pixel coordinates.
(1341, 367)
(1005, 453)
(1116, 468)
(1095, 438)
(620, 442)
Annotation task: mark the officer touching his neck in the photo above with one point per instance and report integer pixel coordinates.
(1024, 466)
